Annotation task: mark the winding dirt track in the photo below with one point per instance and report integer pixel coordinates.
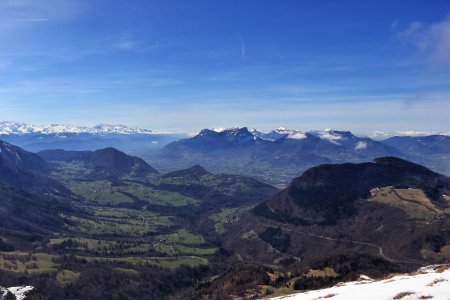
(380, 250)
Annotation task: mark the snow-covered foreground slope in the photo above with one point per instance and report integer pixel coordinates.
(431, 282)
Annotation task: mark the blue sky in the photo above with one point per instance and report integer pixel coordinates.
(187, 64)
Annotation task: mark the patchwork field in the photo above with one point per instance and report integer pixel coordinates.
(18, 261)
(165, 262)
(133, 226)
(105, 193)
(100, 191)
(438, 257)
(226, 216)
(117, 221)
(413, 201)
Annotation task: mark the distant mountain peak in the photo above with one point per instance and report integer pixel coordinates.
(237, 130)
(333, 136)
(116, 163)
(108, 162)
(230, 130)
(15, 157)
(241, 134)
(195, 171)
(110, 150)
(381, 135)
(198, 168)
(206, 131)
(15, 128)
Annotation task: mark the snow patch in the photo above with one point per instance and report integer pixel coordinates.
(218, 129)
(21, 292)
(271, 135)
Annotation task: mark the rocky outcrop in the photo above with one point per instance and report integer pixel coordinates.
(19, 293)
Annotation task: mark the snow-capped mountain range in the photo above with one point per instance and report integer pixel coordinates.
(11, 128)
(327, 134)
(294, 149)
(68, 137)
(18, 128)
(289, 152)
(273, 135)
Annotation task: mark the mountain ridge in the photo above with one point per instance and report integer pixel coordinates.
(390, 208)
(274, 159)
(30, 198)
(104, 162)
(321, 188)
(27, 171)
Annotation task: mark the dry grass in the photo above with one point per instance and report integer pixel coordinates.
(272, 276)
(442, 268)
(413, 201)
(326, 272)
(402, 295)
(436, 281)
(66, 276)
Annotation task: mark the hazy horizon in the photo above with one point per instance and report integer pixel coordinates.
(376, 134)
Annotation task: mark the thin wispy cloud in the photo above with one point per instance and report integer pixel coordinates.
(126, 45)
(30, 20)
(242, 49)
(5, 64)
(124, 41)
(433, 40)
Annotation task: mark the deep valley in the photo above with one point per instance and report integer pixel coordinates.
(74, 222)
